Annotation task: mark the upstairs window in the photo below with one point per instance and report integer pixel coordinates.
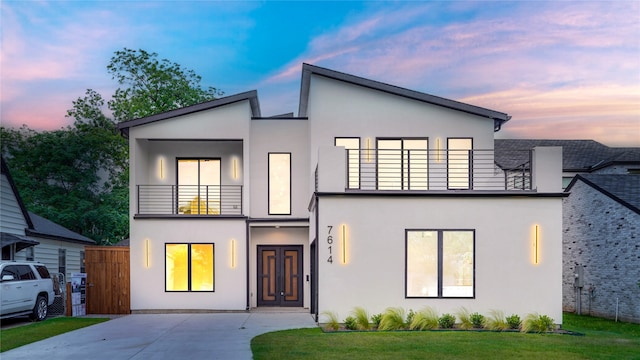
(402, 164)
(199, 186)
(459, 163)
(279, 183)
(352, 147)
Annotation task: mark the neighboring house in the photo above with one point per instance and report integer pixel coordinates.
(601, 222)
(578, 156)
(27, 236)
(601, 272)
(374, 196)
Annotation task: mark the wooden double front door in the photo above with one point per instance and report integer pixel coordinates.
(280, 275)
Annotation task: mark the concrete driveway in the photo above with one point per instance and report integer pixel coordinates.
(165, 336)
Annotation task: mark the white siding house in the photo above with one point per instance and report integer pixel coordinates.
(373, 196)
(27, 236)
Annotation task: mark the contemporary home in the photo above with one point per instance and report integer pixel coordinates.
(27, 236)
(601, 274)
(373, 196)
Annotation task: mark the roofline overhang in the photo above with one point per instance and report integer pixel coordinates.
(37, 234)
(597, 187)
(251, 96)
(308, 70)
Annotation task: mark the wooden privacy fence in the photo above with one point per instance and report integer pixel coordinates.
(108, 286)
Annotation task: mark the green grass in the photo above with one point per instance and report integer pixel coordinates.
(604, 339)
(26, 334)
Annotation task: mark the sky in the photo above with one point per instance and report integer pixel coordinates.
(561, 69)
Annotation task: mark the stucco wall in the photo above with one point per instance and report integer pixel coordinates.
(506, 277)
(603, 237)
(148, 280)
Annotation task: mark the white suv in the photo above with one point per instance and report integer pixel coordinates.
(26, 288)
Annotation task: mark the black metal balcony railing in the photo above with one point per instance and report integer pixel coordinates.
(384, 169)
(189, 200)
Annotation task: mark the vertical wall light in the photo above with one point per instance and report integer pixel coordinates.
(233, 253)
(234, 170)
(146, 253)
(343, 240)
(161, 169)
(536, 245)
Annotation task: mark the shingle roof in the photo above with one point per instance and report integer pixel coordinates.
(48, 229)
(577, 155)
(623, 188)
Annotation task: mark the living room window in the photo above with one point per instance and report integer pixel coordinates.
(189, 267)
(440, 263)
(279, 183)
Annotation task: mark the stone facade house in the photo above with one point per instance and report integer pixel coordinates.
(601, 241)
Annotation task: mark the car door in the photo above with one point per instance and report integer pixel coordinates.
(12, 291)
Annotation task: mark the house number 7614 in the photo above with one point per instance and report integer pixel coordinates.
(330, 243)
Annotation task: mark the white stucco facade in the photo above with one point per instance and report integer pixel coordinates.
(280, 258)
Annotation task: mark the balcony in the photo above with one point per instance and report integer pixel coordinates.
(189, 200)
(432, 170)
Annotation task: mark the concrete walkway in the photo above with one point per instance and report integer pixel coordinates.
(164, 336)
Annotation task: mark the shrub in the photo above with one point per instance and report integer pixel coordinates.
(496, 321)
(350, 323)
(332, 320)
(477, 320)
(537, 323)
(425, 319)
(465, 321)
(375, 319)
(392, 319)
(446, 321)
(514, 321)
(362, 318)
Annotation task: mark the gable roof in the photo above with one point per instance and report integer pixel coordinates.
(48, 229)
(623, 188)
(251, 96)
(577, 155)
(308, 70)
(5, 171)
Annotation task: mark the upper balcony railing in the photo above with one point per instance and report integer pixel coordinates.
(387, 169)
(189, 200)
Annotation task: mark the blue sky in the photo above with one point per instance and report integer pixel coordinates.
(562, 69)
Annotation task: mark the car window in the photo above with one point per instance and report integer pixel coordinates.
(10, 270)
(42, 270)
(25, 272)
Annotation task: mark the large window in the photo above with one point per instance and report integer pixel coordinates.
(352, 147)
(279, 183)
(402, 164)
(459, 163)
(189, 267)
(62, 261)
(199, 186)
(440, 263)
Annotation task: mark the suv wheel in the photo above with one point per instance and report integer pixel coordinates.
(40, 310)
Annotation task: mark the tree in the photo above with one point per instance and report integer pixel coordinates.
(152, 86)
(78, 176)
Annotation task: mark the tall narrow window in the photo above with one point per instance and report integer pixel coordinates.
(189, 267)
(279, 183)
(29, 253)
(199, 186)
(402, 164)
(352, 147)
(62, 261)
(459, 163)
(440, 263)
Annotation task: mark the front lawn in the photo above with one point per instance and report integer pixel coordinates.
(26, 334)
(604, 339)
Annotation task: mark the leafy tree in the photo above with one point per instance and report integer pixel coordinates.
(78, 176)
(152, 86)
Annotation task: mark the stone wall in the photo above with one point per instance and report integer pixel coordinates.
(603, 237)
